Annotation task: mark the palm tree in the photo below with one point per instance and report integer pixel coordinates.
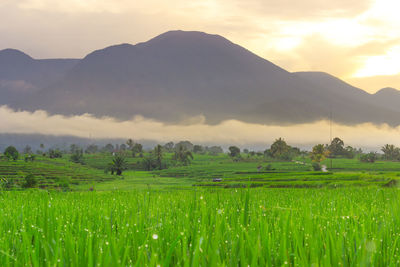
(389, 151)
(130, 143)
(118, 164)
(158, 154)
(183, 156)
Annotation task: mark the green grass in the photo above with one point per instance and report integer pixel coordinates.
(286, 214)
(138, 180)
(213, 227)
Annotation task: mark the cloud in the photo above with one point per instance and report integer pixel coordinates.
(225, 133)
(316, 53)
(308, 9)
(286, 9)
(18, 86)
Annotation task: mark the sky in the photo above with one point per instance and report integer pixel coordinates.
(355, 40)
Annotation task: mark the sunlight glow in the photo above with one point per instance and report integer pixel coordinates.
(388, 64)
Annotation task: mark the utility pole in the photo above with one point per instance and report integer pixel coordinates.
(330, 132)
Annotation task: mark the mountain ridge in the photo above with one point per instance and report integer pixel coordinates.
(180, 74)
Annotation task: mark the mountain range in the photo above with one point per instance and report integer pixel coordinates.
(179, 75)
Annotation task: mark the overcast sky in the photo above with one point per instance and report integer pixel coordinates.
(356, 40)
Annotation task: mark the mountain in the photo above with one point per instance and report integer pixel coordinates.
(375, 107)
(178, 75)
(388, 96)
(21, 75)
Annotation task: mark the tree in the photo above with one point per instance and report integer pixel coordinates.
(11, 153)
(350, 152)
(318, 153)
(158, 154)
(370, 157)
(169, 147)
(77, 156)
(136, 149)
(148, 163)
(198, 149)
(91, 149)
(234, 151)
(27, 150)
(215, 150)
(118, 164)
(55, 153)
(336, 148)
(182, 155)
(280, 150)
(186, 144)
(390, 152)
(73, 148)
(130, 143)
(109, 148)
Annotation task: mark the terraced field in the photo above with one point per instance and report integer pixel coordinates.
(51, 172)
(253, 172)
(258, 172)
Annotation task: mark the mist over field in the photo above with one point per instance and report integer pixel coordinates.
(228, 132)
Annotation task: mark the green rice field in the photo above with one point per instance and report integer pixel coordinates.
(201, 227)
(261, 213)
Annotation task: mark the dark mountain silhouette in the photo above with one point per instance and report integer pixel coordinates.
(389, 97)
(21, 76)
(183, 74)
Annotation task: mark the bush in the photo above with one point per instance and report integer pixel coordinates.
(29, 158)
(77, 156)
(11, 153)
(54, 154)
(316, 166)
(6, 184)
(371, 157)
(30, 181)
(268, 167)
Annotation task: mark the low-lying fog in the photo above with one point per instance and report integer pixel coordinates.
(226, 133)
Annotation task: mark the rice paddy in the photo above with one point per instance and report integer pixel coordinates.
(282, 215)
(201, 227)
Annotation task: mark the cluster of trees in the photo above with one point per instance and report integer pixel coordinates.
(155, 159)
(370, 157)
(170, 147)
(183, 153)
(337, 149)
(391, 152)
(280, 150)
